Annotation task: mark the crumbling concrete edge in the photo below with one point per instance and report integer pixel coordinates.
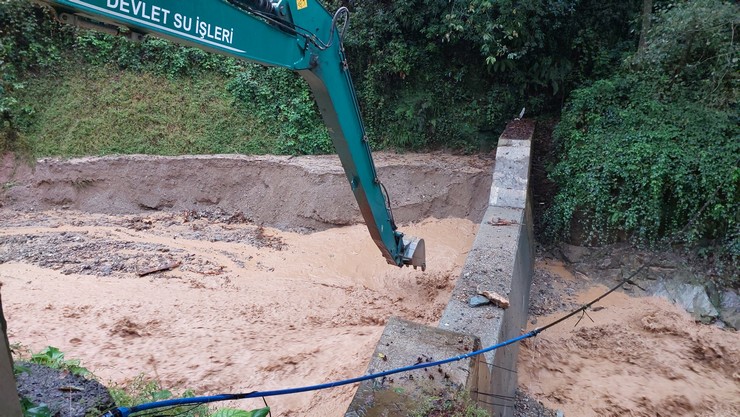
(501, 260)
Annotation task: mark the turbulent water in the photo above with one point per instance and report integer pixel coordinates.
(243, 307)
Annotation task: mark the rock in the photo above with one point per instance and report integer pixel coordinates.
(654, 272)
(714, 292)
(478, 300)
(692, 298)
(729, 309)
(574, 254)
(666, 262)
(66, 394)
(614, 274)
(559, 413)
(683, 275)
(608, 263)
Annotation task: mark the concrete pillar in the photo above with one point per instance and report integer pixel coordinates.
(9, 404)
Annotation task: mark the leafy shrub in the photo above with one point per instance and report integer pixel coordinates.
(142, 390)
(29, 43)
(642, 152)
(692, 50)
(54, 358)
(31, 409)
(230, 412)
(543, 46)
(417, 89)
(282, 99)
(154, 55)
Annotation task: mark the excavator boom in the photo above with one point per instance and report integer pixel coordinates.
(297, 34)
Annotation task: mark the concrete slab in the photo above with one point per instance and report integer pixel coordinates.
(406, 343)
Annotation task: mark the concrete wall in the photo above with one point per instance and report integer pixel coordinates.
(501, 260)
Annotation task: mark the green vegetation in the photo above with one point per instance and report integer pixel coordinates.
(452, 403)
(54, 358)
(142, 390)
(230, 412)
(642, 151)
(30, 409)
(450, 74)
(430, 75)
(119, 111)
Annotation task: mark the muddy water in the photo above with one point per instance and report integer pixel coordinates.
(638, 357)
(246, 308)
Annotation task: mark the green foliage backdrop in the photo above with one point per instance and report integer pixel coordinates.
(642, 151)
(431, 74)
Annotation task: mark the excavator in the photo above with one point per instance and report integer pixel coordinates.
(300, 35)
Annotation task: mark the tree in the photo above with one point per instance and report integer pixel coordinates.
(647, 11)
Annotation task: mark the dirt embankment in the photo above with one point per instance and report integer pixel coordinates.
(310, 192)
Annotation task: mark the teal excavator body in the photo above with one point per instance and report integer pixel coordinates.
(297, 34)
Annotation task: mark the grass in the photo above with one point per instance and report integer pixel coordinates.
(93, 110)
(143, 390)
(450, 404)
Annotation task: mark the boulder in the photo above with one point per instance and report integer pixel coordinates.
(574, 254)
(729, 309)
(692, 298)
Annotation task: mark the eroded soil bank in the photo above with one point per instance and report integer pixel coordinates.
(310, 192)
(630, 356)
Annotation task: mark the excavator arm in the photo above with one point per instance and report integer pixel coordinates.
(297, 34)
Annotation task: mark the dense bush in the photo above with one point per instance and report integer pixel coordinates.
(153, 55)
(417, 89)
(27, 45)
(281, 98)
(440, 73)
(643, 151)
(544, 45)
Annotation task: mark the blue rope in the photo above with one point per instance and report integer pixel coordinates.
(126, 411)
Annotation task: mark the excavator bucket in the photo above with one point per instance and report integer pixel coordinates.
(414, 253)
